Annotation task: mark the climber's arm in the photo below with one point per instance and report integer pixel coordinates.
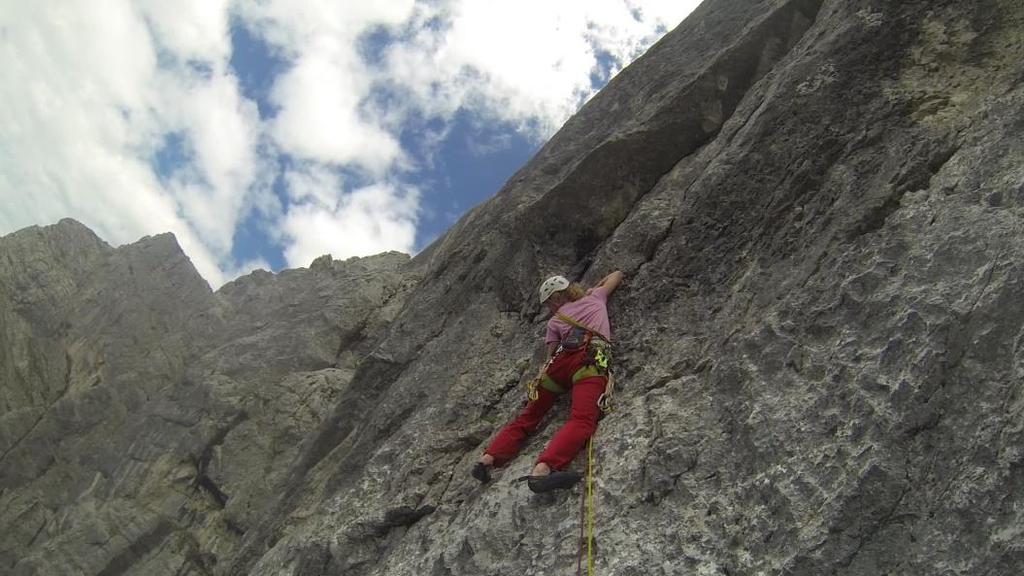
(610, 282)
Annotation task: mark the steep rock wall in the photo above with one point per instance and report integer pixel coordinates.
(808, 277)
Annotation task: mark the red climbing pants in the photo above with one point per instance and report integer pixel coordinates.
(573, 435)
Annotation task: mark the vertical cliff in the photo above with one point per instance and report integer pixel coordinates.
(818, 207)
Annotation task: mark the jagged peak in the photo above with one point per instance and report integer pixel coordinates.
(166, 241)
(66, 229)
(326, 265)
(72, 224)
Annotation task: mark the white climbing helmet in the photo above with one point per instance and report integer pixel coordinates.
(551, 285)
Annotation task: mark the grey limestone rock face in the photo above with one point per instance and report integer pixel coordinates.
(147, 418)
(818, 208)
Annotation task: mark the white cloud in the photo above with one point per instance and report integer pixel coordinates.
(529, 62)
(370, 220)
(516, 65)
(223, 131)
(298, 26)
(191, 29)
(321, 96)
(75, 113)
(320, 117)
(314, 184)
(88, 103)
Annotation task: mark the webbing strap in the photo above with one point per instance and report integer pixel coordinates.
(578, 324)
(547, 383)
(586, 372)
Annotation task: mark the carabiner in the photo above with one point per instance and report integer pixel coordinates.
(531, 390)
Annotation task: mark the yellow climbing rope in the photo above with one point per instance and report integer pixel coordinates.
(590, 506)
(587, 515)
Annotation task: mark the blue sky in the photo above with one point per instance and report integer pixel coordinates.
(264, 133)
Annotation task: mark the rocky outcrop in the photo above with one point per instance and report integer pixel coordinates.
(818, 208)
(147, 418)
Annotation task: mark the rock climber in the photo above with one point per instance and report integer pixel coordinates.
(578, 354)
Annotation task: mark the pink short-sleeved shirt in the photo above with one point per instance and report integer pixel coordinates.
(590, 311)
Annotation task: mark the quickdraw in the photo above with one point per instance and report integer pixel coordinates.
(604, 402)
(531, 387)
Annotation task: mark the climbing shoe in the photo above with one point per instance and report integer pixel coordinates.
(482, 472)
(558, 480)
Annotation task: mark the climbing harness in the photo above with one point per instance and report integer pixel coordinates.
(587, 513)
(581, 336)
